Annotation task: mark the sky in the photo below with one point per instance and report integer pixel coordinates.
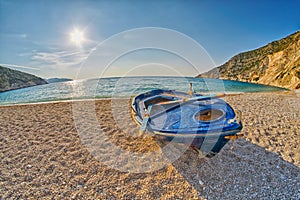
(88, 38)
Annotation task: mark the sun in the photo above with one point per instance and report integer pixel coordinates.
(77, 37)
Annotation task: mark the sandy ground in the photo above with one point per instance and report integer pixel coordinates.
(77, 151)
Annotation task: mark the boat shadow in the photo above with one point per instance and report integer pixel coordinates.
(242, 170)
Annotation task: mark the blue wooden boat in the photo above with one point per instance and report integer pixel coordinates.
(205, 122)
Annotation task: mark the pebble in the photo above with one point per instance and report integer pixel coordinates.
(201, 182)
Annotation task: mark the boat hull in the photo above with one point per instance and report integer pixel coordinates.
(206, 124)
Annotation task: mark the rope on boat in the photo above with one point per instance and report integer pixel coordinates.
(146, 120)
(233, 137)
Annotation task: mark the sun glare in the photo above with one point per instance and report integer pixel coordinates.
(77, 37)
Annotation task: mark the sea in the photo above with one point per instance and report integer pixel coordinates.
(124, 87)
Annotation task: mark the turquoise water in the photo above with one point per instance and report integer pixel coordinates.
(124, 87)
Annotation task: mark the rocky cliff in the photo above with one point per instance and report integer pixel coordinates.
(277, 64)
(13, 79)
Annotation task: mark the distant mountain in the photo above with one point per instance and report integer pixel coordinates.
(12, 79)
(277, 64)
(55, 80)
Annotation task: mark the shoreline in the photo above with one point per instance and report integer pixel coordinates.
(126, 97)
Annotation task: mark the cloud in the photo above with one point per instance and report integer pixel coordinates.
(15, 35)
(59, 59)
(23, 35)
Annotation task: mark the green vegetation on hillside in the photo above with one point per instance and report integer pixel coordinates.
(12, 79)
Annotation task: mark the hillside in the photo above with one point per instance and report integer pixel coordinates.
(12, 79)
(57, 80)
(277, 64)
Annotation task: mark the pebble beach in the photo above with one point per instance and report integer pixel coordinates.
(43, 155)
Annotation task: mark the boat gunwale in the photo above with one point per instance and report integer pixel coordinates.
(184, 135)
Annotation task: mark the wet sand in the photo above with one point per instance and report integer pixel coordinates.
(55, 150)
